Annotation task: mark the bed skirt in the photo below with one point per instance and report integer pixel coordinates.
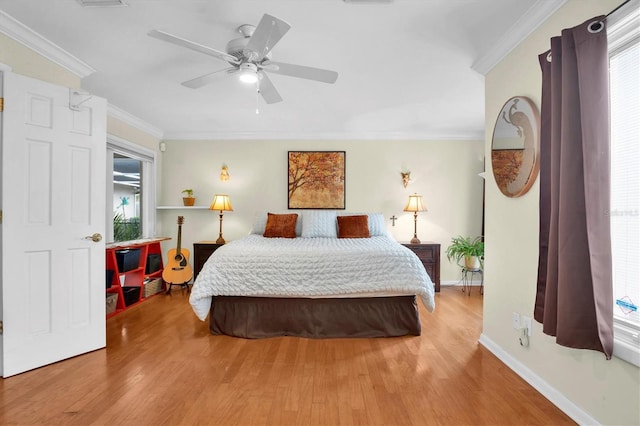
(260, 317)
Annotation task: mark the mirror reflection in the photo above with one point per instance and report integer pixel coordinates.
(515, 147)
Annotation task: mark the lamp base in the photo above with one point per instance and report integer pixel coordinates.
(415, 240)
(220, 240)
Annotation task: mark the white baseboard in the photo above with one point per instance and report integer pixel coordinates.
(552, 394)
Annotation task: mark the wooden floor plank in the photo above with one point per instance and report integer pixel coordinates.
(162, 367)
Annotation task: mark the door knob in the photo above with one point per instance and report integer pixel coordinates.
(96, 238)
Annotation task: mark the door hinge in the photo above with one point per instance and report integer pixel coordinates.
(0, 216)
(1, 104)
(1, 326)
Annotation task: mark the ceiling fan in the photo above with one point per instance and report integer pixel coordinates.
(250, 55)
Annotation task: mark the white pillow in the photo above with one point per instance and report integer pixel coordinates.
(260, 221)
(319, 223)
(376, 223)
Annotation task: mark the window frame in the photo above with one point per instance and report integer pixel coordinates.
(147, 157)
(623, 31)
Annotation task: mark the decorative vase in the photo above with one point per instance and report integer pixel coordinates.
(472, 263)
(188, 201)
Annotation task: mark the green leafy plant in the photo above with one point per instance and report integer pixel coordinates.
(465, 247)
(189, 192)
(126, 229)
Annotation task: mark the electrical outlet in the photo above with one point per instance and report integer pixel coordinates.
(516, 320)
(526, 323)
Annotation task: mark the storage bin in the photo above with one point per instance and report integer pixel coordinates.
(152, 287)
(112, 302)
(154, 261)
(131, 295)
(109, 277)
(128, 259)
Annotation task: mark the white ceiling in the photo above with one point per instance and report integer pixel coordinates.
(405, 67)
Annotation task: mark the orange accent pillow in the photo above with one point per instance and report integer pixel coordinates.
(353, 226)
(280, 225)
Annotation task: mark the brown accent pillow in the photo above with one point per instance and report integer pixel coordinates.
(353, 226)
(281, 225)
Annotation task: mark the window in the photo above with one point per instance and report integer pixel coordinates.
(624, 80)
(130, 191)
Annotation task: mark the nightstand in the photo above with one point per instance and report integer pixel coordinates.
(429, 254)
(201, 252)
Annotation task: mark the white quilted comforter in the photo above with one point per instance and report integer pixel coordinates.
(311, 267)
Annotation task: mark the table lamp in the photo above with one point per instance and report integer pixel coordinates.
(221, 202)
(415, 205)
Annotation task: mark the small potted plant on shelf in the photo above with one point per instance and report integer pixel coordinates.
(472, 250)
(189, 200)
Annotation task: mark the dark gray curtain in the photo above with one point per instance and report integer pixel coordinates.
(574, 290)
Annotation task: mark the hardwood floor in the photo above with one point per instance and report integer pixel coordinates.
(162, 367)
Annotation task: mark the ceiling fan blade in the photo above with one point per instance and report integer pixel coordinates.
(203, 80)
(268, 90)
(161, 35)
(301, 71)
(268, 32)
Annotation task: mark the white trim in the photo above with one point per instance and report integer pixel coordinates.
(169, 135)
(623, 28)
(31, 39)
(130, 146)
(552, 394)
(130, 119)
(520, 30)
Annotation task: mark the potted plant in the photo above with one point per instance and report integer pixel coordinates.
(189, 200)
(472, 250)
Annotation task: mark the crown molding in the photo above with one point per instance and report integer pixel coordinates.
(31, 39)
(130, 119)
(521, 29)
(410, 136)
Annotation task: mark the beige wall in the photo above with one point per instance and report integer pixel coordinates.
(125, 131)
(608, 391)
(26, 62)
(445, 173)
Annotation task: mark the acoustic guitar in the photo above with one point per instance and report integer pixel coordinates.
(177, 271)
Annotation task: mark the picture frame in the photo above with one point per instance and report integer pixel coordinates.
(316, 179)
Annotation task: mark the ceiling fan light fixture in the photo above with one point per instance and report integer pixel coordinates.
(248, 73)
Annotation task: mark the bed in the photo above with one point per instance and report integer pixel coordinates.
(313, 279)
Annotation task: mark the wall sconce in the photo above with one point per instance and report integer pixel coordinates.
(224, 173)
(406, 178)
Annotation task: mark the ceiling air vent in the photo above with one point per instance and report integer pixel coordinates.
(102, 3)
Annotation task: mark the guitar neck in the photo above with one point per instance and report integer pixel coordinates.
(178, 246)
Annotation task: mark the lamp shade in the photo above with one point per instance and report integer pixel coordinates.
(221, 202)
(415, 204)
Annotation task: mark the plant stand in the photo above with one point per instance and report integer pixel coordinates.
(467, 280)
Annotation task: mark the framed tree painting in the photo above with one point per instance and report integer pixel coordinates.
(316, 179)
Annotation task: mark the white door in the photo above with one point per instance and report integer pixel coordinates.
(53, 186)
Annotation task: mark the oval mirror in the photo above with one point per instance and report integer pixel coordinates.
(515, 147)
